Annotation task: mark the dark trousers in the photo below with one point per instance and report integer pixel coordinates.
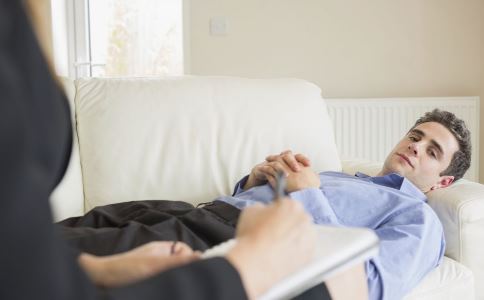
(120, 227)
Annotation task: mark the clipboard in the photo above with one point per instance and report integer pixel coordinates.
(338, 248)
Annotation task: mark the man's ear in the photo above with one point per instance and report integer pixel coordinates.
(444, 182)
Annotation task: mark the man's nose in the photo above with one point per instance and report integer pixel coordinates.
(413, 147)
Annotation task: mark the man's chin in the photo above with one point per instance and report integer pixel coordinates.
(394, 169)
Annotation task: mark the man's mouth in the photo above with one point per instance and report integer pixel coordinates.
(405, 158)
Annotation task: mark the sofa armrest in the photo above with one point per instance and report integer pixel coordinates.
(460, 208)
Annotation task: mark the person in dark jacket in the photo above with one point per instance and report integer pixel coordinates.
(35, 137)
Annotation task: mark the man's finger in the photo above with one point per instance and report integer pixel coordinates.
(268, 170)
(276, 167)
(301, 158)
(272, 180)
(272, 158)
(275, 157)
(291, 161)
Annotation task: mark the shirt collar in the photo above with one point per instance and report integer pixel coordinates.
(396, 181)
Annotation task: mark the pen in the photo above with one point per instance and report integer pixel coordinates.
(172, 249)
(280, 188)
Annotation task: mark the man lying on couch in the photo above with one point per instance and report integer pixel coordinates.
(433, 154)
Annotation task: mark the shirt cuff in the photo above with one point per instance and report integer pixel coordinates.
(316, 204)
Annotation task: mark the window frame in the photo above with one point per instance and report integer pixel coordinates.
(78, 39)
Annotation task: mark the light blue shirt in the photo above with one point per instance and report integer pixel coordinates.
(411, 235)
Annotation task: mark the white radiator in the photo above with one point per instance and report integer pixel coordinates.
(369, 128)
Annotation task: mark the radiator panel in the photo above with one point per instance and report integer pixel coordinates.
(369, 128)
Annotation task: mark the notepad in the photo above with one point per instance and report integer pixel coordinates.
(338, 248)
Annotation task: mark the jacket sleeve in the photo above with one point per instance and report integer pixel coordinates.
(35, 262)
(213, 278)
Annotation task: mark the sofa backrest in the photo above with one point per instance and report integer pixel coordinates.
(192, 138)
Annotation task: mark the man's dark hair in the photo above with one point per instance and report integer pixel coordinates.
(461, 160)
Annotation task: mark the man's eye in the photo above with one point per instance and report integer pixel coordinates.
(412, 138)
(432, 153)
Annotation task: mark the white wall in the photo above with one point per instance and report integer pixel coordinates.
(350, 48)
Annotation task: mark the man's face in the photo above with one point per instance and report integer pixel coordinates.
(422, 155)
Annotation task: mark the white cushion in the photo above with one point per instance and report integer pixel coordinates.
(460, 208)
(192, 138)
(449, 281)
(363, 166)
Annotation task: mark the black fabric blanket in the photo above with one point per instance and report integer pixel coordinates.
(123, 226)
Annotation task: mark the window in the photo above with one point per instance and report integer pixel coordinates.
(119, 38)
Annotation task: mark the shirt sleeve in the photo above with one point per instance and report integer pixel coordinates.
(317, 205)
(411, 245)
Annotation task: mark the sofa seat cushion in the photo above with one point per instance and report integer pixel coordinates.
(451, 280)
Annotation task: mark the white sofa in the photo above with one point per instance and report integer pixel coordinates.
(193, 138)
